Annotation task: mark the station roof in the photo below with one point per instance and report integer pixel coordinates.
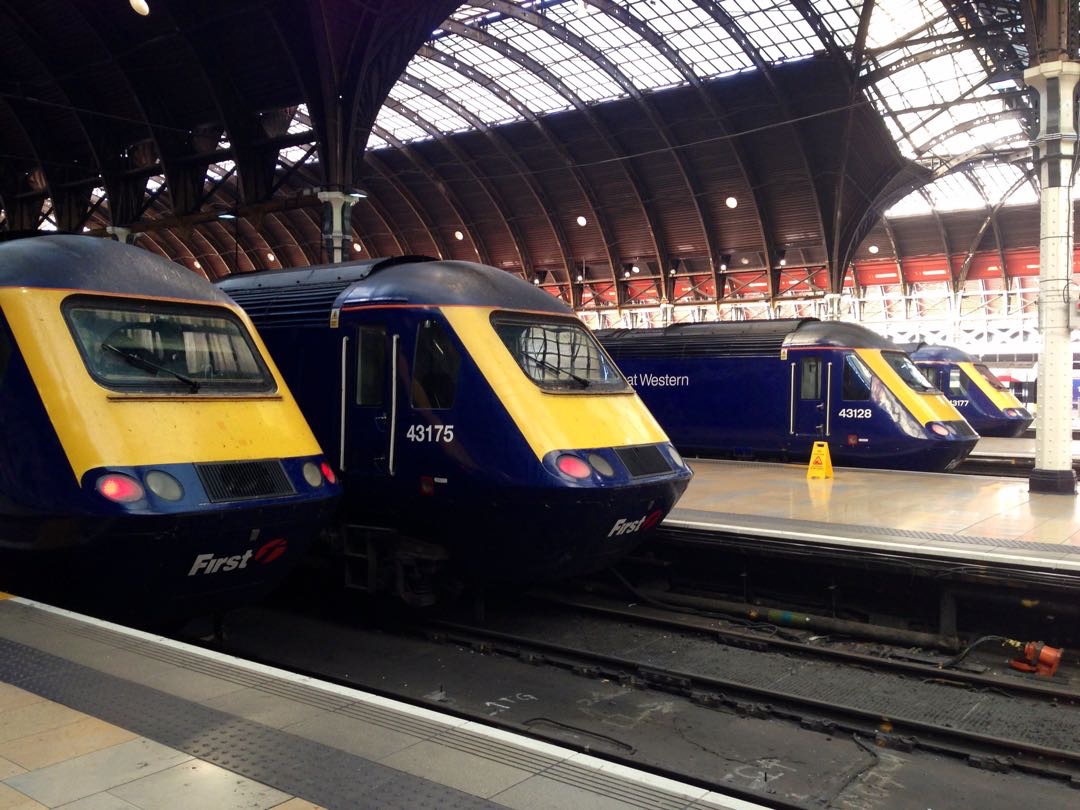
(618, 154)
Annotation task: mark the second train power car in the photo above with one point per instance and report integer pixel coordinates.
(989, 407)
(770, 389)
(477, 423)
(153, 465)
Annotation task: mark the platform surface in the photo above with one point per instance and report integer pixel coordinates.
(96, 716)
(1021, 447)
(966, 517)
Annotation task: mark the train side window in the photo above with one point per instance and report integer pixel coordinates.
(810, 380)
(435, 367)
(370, 365)
(956, 386)
(856, 379)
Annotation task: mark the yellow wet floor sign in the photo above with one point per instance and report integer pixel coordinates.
(820, 463)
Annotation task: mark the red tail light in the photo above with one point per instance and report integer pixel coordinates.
(328, 473)
(120, 488)
(573, 466)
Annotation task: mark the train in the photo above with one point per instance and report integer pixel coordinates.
(482, 435)
(153, 464)
(771, 389)
(987, 404)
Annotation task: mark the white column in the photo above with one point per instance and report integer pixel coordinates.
(336, 225)
(1055, 151)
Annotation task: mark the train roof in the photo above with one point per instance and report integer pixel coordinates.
(307, 295)
(71, 261)
(741, 338)
(928, 351)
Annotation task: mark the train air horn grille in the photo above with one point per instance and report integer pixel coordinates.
(244, 480)
(642, 460)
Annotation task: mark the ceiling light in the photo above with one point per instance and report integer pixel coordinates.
(459, 235)
(536, 281)
(635, 269)
(198, 265)
(725, 260)
(626, 274)
(782, 256)
(873, 248)
(140, 7)
(582, 221)
(731, 202)
(357, 195)
(357, 246)
(744, 260)
(672, 271)
(580, 277)
(270, 257)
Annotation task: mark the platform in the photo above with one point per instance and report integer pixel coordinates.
(1021, 448)
(970, 518)
(95, 716)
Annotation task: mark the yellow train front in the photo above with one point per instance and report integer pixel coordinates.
(478, 424)
(153, 464)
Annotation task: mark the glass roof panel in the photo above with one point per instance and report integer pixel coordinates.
(540, 96)
(375, 142)
(841, 17)
(477, 99)
(778, 30)
(438, 115)
(698, 38)
(399, 126)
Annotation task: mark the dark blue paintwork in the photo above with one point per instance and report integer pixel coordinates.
(726, 389)
(484, 497)
(985, 416)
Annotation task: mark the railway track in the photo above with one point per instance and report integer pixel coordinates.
(987, 719)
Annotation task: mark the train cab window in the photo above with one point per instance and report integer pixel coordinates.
(370, 365)
(558, 354)
(143, 346)
(990, 377)
(956, 384)
(810, 379)
(435, 367)
(908, 371)
(856, 385)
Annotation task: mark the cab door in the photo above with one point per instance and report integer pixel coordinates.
(810, 395)
(367, 426)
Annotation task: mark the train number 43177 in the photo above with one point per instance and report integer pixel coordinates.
(430, 433)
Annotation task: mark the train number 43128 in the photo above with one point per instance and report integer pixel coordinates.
(854, 413)
(430, 433)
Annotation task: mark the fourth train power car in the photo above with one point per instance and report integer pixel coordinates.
(770, 389)
(153, 464)
(477, 424)
(989, 407)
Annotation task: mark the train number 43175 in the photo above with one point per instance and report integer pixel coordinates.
(854, 413)
(430, 433)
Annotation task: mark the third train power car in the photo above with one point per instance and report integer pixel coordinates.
(989, 407)
(770, 389)
(153, 465)
(477, 424)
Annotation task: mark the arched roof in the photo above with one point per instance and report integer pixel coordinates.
(716, 150)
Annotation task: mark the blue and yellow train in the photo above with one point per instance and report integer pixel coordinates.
(771, 389)
(153, 464)
(480, 429)
(989, 407)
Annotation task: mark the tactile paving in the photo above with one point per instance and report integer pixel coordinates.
(295, 765)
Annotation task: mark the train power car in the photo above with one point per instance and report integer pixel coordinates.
(770, 389)
(481, 432)
(982, 399)
(153, 464)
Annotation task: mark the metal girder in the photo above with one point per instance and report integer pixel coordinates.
(524, 60)
(965, 126)
(410, 199)
(436, 180)
(874, 76)
(571, 166)
(990, 221)
(647, 33)
(725, 21)
(897, 255)
(954, 281)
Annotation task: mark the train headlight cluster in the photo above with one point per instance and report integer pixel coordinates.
(942, 429)
(675, 455)
(573, 466)
(120, 488)
(164, 485)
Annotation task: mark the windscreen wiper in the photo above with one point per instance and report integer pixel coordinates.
(584, 383)
(145, 365)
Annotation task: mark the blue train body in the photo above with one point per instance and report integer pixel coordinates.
(982, 399)
(770, 389)
(128, 487)
(477, 425)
